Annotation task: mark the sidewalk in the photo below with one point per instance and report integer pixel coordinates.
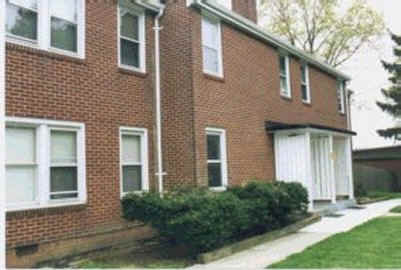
(264, 255)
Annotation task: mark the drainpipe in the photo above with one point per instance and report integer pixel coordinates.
(160, 174)
(2, 138)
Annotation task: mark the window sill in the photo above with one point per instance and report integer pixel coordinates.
(133, 72)
(287, 98)
(218, 189)
(307, 103)
(214, 77)
(139, 193)
(56, 206)
(35, 50)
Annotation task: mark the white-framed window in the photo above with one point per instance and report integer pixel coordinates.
(131, 36)
(225, 3)
(63, 164)
(285, 81)
(305, 84)
(340, 96)
(134, 160)
(51, 25)
(211, 46)
(217, 158)
(45, 163)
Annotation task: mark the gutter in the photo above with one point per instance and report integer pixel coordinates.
(150, 5)
(2, 137)
(250, 27)
(160, 173)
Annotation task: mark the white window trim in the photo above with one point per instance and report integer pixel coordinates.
(287, 75)
(76, 164)
(216, 21)
(140, 12)
(340, 89)
(143, 133)
(307, 84)
(44, 40)
(43, 128)
(223, 161)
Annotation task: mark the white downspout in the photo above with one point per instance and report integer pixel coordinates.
(159, 172)
(2, 137)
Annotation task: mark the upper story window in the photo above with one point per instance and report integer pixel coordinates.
(22, 19)
(340, 96)
(225, 3)
(216, 158)
(131, 32)
(211, 44)
(285, 82)
(51, 25)
(45, 164)
(305, 85)
(64, 25)
(134, 160)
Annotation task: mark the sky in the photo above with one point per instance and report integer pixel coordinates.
(368, 77)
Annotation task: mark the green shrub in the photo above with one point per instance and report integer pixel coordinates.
(205, 220)
(360, 190)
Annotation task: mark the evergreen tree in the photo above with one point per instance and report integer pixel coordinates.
(392, 105)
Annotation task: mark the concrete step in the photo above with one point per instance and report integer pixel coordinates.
(327, 209)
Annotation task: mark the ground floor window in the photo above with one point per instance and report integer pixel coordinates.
(45, 163)
(216, 158)
(134, 160)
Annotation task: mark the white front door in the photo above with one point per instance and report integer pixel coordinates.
(321, 168)
(340, 167)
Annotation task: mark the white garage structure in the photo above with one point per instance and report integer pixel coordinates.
(319, 157)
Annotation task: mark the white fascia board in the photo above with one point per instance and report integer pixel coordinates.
(250, 27)
(152, 5)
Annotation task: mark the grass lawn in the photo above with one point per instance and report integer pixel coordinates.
(396, 210)
(375, 244)
(158, 259)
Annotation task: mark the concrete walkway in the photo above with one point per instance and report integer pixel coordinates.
(264, 255)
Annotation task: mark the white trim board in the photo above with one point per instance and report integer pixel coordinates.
(2, 136)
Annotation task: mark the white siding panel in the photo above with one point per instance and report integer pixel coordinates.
(321, 165)
(341, 168)
(290, 158)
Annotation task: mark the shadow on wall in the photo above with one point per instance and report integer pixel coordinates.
(374, 179)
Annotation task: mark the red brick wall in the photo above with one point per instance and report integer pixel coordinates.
(246, 8)
(177, 95)
(247, 97)
(92, 91)
(96, 92)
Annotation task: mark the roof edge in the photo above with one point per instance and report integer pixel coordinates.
(150, 5)
(252, 28)
(272, 126)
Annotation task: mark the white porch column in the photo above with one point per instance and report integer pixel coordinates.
(350, 171)
(309, 173)
(332, 170)
(2, 138)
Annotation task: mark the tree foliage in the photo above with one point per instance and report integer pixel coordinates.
(322, 28)
(392, 94)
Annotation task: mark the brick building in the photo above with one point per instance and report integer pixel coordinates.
(82, 114)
